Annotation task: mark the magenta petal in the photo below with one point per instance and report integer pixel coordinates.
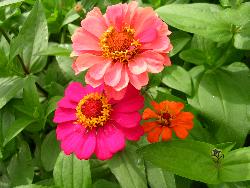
(102, 151)
(86, 146)
(64, 115)
(134, 133)
(114, 138)
(131, 105)
(75, 91)
(66, 103)
(69, 144)
(64, 129)
(127, 120)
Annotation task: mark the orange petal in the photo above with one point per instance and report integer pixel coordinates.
(154, 135)
(166, 134)
(156, 106)
(148, 114)
(180, 132)
(148, 126)
(175, 107)
(183, 119)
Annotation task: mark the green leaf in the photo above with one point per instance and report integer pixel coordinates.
(72, 28)
(222, 98)
(179, 40)
(190, 159)
(32, 39)
(10, 86)
(49, 151)
(17, 127)
(34, 186)
(158, 177)
(20, 169)
(126, 168)
(242, 38)
(178, 78)
(9, 2)
(55, 49)
(101, 183)
(236, 165)
(52, 104)
(199, 18)
(70, 172)
(65, 65)
(70, 17)
(194, 56)
(30, 94)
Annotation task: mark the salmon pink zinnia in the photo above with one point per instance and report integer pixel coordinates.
(121, 46)
(166, 117)
(90, 123)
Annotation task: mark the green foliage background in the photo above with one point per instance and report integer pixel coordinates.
(210, 73)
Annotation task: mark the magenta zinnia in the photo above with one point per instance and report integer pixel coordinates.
(121, 46)
(90, 123)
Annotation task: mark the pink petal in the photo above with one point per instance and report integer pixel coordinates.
(167, 61)
(160, 44)
(137, 65)
(97, 71)
(75, 91)
(115, 15)
(70, 143)
(144, 20)
(124, 79)
(86, 61)
(86, 146)
(155, 61)
(132, 6)
(65, 102)
(131, 105)
(101, 150)
(147, 36)
(114, 138)
(64, 115)
(91, 81)
(127, 120)
(134, 133)
(113, 74)
(64, 129)
(95, 23)
(84, 41)
(113, 94)
(138, 80)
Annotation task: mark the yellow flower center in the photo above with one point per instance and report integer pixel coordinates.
(93, 110)
(119, 46)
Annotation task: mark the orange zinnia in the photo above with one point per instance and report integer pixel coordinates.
(167, 116)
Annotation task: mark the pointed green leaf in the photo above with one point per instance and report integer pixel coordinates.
(17, 127)
(222, 98)
(10, 86)
(32, 38)
(20, 169)
(199, 18)
(178, 78)
(70, 172)
(190, 159)
(126, 168)
(50, 150)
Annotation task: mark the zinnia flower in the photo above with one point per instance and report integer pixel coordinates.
(167, 117)
(89, 123)
(121, 46)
